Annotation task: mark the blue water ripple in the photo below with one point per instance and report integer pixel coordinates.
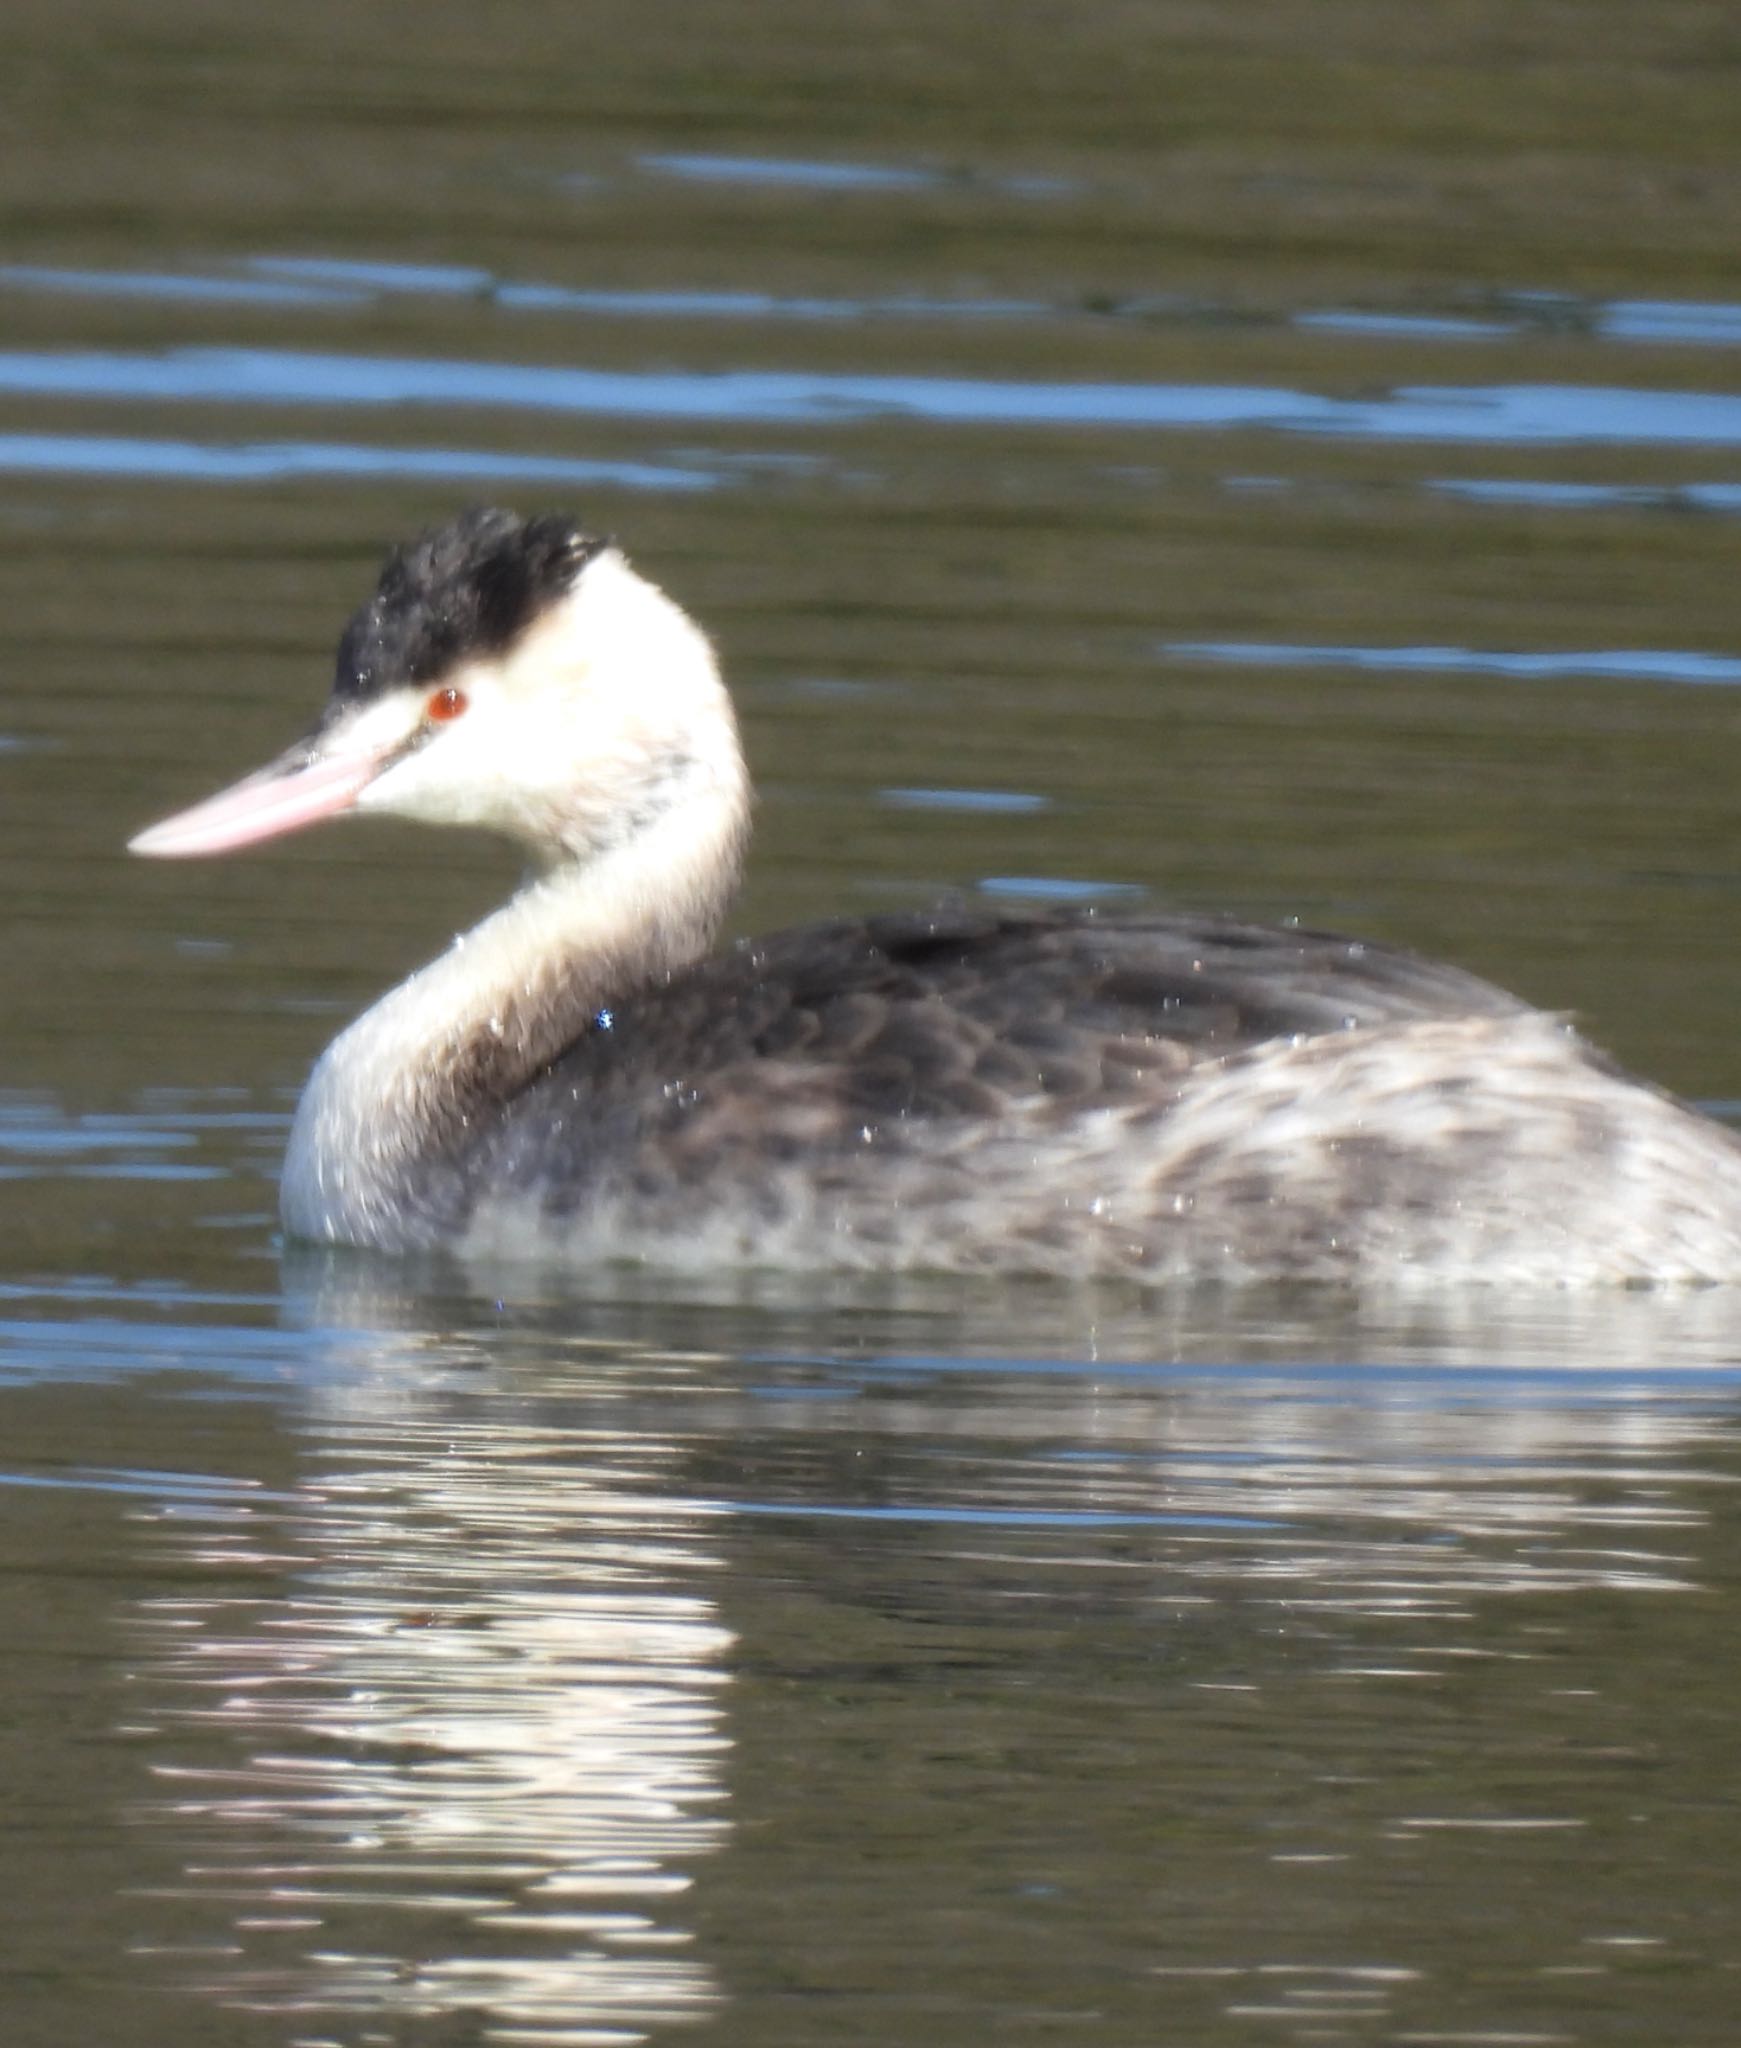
(794, 171)
(167, 285)
(1598, 414)
(1720, 498)
(1656, 665)
(269, 461)
(1001, 800)
(1000, 1518)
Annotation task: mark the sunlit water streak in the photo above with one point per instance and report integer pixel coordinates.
(1561, 497)
(469, 1672)
(1626, 664)
(1333, 1487)
(686, 472)
(1612, 415)
(1015, 802)
(271, 461)
(816, 174)
(167, 1139)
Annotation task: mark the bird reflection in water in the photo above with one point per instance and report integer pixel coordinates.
(466, 1754)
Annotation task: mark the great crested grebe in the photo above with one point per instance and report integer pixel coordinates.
(580, 1078)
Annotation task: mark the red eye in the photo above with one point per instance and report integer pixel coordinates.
(446, 704)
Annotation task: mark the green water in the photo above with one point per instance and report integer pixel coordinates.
(1284, 459)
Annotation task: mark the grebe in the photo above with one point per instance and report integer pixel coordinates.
(580, 1077)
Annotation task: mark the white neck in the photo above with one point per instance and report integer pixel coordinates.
(398, 1093)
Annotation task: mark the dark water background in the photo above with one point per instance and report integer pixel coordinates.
(1280, 458)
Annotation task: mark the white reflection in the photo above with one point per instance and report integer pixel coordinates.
(453, 1744)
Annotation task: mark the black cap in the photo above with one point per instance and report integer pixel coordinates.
(458, 592)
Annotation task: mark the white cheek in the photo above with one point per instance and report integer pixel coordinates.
(498, 765)
(444, 780)
(377, 728)
(407, 791)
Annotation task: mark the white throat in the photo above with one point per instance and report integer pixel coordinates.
(639, 859)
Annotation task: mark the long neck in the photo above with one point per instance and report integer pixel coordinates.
(437, 1058)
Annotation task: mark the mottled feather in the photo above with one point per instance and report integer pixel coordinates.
(1083, 1094)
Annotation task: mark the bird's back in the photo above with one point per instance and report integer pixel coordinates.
(1086, 1094)
(894, 1025)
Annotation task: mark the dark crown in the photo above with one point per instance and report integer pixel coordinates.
(459, 592)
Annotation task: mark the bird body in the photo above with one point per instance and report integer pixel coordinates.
(582, 1077)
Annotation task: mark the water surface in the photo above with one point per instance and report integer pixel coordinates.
(1285, 463)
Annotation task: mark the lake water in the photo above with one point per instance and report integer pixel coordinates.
(1284, 460)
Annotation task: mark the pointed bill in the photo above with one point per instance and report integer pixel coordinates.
(300, 788)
